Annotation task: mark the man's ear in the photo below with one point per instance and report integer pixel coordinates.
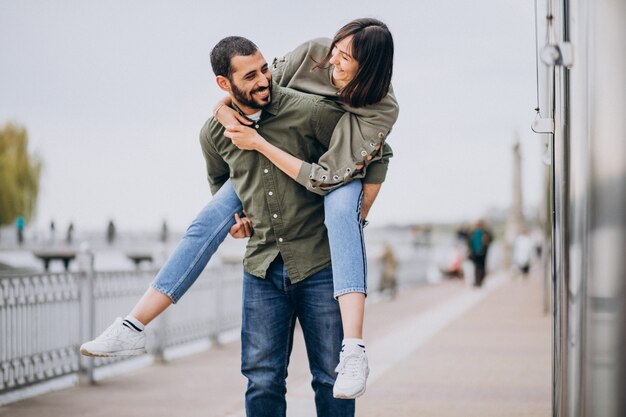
(223, 83)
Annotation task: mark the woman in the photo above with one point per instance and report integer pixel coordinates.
(358, 77)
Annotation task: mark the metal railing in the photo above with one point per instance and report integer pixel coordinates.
(38, 328)
(44, 318)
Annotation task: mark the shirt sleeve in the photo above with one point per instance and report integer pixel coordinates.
(357, 144)
(217, 169)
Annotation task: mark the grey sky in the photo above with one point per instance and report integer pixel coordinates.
(114, 93)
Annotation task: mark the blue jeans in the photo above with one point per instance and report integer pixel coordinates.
(270, 309)
(342, 208)
(205, 234)
(211, 226)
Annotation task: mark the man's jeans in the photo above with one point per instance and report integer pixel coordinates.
(270, 309)
(211, 226)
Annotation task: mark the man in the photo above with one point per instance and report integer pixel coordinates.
(19, 224)
(287, 264)
(478, 241)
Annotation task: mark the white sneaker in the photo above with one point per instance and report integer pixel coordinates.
(352, 373)
(117, 340)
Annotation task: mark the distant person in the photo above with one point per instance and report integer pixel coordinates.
(164, 232)
(111, 232)
(478, 242)
(523, 252)
(454, 264)
(537, 238)
(69, 237)
(52, 235)
(388, 277)
(322, 67)
(19, 225)
(462, 233)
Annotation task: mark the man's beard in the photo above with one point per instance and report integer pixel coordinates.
(247, 99)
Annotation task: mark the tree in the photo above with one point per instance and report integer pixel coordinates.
(19, 175)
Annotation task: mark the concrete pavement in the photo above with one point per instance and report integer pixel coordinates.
(437, 350)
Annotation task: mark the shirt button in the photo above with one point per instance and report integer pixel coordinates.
(275, 216)
(266, 170)
(256, 126)
(271, 193)
(280, 239)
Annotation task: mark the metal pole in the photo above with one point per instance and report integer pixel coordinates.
(87, 308)
(557, 54)
(578, 206)
(544, 126)
(218, 309)
(161, 336)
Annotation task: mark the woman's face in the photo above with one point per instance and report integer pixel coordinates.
(345, 66)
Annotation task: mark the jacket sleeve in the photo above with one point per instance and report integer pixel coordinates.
(357, 144)
(376, 172)
(286, 67)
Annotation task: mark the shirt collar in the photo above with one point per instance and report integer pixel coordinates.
(274, 107)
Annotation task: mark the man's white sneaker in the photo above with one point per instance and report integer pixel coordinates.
(116, 340)
(353, 371)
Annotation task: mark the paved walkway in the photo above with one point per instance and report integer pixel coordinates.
(439, 350)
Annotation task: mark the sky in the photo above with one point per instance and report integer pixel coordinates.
(113, 95)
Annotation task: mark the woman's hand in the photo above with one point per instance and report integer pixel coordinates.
(244, 137)
(227, 116)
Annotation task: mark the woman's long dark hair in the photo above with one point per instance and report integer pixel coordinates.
(372, 47)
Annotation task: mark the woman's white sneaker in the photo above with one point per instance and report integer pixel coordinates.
(116, 340)
(352, 372)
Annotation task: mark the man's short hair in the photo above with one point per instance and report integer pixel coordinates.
(223, 53)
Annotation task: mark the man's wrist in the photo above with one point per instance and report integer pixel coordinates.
(217, 109)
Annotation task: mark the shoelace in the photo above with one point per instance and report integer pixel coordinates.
(113, 330)
(350, 366)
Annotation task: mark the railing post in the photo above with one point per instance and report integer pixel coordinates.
(160, 256)
(87, 308)
(161, 337)
(218, 295)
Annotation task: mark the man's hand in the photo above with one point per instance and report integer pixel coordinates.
(242, 227)
(243, 137)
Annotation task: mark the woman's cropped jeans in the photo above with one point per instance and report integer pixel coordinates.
(211, 226)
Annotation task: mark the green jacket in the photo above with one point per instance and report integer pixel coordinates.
(358, 133)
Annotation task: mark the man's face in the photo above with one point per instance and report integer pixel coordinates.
(250, 81)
